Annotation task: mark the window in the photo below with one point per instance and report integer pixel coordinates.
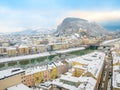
(37, 78)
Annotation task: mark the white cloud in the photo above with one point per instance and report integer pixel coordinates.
(100, 15)
(17, 20)
(97, 16)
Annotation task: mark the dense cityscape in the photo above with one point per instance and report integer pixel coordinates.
(59, 45)
(59, 63)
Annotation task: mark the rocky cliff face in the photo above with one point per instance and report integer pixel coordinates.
(69, 26)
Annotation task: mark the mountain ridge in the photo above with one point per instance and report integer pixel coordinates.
(72, 25)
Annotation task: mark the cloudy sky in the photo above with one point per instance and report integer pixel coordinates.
(16, 15)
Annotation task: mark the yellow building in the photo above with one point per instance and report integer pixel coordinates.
(11, 77)
(53, 73)
(38, 77)
(57, 46)
(11, 51)
(22, 50)
(52, 68)
(78, 71)
(35, 75)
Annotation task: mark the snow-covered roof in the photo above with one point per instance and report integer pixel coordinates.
(58, 63)
(33, 70)
(116, 80)
(69, 78)
(61, 84)
(45, 85)
(36, 69)
(87, 83)
(94, 55)
(19, 87)
(80, 67)
(84, 83)
(116, 58)
(10, 72)
(116, 71)
(11, 48)
(93, 66)
(79, 60)
(89, 57)
(95, 63)
(23, 46)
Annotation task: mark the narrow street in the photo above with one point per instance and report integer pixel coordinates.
(106, 83)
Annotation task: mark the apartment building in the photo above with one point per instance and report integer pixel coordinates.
(36, 75)
(23, 50)
(11, 77)
(116, 71)
(11, 51)
(78, 70)
(29, 78)
(52, 71)
(33, 76)
(85, 76)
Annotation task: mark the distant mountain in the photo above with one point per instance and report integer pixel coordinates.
(35, 31)
(70, 26)
(24, 32)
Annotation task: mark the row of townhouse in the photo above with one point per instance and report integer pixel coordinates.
(85, 73)
(116, 71)
(22, 50)
(31, 76)
(25, 50)
(34, 76)
(37, 48)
